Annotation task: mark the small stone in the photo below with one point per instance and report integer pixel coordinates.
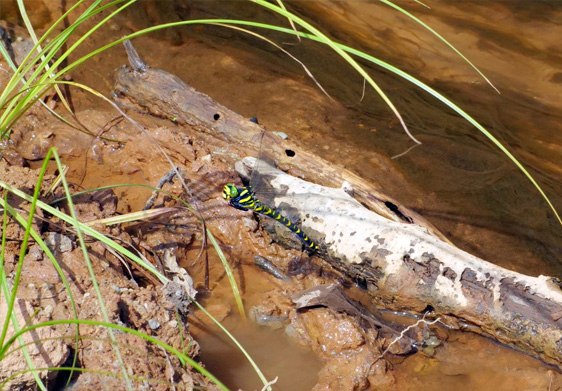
(48, 311)
(35, 253)
(262, 318)
(165, 315)
(58, 242)
(46, 287)
(154, 325)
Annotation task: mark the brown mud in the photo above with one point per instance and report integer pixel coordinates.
(345, 353)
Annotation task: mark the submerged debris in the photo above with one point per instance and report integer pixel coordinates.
(268, 266)
(331, 296)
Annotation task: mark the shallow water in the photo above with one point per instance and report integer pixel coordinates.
(456, 179)
(276, 353)
(466, 363)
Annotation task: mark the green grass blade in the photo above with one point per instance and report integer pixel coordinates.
(31, 32)
(46, 250)
(11, 295)
(23, 250)
(88, 230)
(327, 41)
(43, 72)
(416, 82)
(427, 27)
(216, 246)
(230, 275)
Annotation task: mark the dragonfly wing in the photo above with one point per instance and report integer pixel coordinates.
(264, 170)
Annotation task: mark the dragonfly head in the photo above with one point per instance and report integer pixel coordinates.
(230, 191)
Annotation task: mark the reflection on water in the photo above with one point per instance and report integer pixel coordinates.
(457, 179)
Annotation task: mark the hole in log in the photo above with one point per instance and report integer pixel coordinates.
(428, 309)
(394, 209)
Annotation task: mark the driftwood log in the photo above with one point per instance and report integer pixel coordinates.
(403, 261)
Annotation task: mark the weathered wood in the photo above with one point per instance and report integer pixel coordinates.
(405, 263)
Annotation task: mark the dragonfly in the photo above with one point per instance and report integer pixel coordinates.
(246, 197)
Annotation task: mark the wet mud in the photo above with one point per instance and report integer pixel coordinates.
(327, 349)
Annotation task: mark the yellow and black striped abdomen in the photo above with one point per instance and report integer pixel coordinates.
(293, 227)
(245, 200)
(274, 213)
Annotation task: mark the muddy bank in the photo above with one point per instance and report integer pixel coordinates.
(130, 295)
(130, 302)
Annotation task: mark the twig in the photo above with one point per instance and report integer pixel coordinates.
(403, 333)
(167, 178)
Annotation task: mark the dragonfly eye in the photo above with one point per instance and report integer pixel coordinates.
(229, 191)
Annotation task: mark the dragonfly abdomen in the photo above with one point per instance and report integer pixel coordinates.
(274, 213)
(246, 200)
